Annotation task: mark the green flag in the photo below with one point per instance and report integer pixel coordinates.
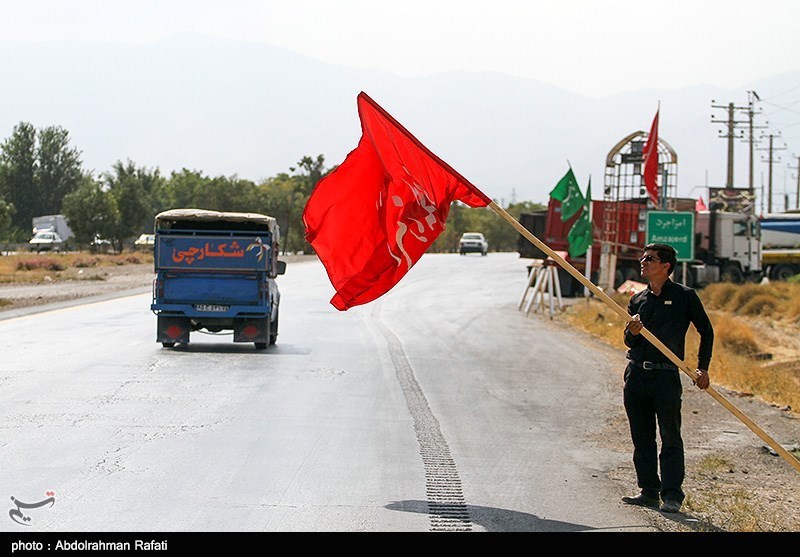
(569, 194)
(580, 235)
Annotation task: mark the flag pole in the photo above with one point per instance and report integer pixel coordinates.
(588, 270)
(647, 334)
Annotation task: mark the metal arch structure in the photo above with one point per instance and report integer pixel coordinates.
(626, 201)
(623, 175)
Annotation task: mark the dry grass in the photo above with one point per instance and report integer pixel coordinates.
(36, 268)
(735, 509)
(756, 329)
(773, 300)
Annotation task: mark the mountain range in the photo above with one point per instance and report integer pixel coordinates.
(253, 110)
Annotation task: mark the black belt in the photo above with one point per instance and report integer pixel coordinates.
(647, 366)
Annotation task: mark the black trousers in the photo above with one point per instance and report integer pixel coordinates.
(653, 398)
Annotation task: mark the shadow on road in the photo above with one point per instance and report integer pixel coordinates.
(503, 520)
(239, 348)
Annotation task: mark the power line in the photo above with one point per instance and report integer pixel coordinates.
(784, 92)
(771, 159)
(797, 170)
(732, 124)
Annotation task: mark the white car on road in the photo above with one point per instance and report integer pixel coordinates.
(473, 242)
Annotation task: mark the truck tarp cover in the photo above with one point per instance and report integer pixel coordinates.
(189, 219)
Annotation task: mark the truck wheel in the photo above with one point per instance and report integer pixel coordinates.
(782, 272)
(167, 344)
(261, 345)
(731, 273)
(273, 329)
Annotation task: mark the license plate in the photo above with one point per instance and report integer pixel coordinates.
(210, 307)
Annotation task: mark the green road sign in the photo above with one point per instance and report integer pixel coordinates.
(675, 228)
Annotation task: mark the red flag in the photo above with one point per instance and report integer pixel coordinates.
(700, 205)
(650, 162)
(372, 218)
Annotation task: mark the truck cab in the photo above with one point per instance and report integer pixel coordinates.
(727, 247)
(216, 271)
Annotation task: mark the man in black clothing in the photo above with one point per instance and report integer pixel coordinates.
(652, 392)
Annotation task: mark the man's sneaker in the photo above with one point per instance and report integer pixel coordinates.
(670, 506)
(641, 500)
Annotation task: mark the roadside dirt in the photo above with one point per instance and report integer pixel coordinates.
(75, 284)
(733, 483)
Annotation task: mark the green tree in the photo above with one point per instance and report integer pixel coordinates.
(17, 173)
(501, 235)
(462, 218)
(282, 197)
(91, 211)
(127, 185)
(37, 169)
(227, 194)
(59, 170)
(457, 223)
(6, 212)
(310, 171)
(182, 189)
(161, 199)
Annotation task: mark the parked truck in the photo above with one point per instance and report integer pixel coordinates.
(727, 246)
(780, 245)
(50, 233)
(215, 272)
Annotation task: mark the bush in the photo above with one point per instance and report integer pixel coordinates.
(735, 335)
(717, 295)
(743, 295)
(793, 308)
(760, 304)
(773, 299)
(44, 263)
(84, 262)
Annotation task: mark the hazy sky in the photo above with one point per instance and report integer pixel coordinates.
(591, 47)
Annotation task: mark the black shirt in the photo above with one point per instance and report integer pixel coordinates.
(667, 316)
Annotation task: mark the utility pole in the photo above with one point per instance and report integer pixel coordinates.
(770, 160)
(797, 194)
(752, 96)
(731, 123)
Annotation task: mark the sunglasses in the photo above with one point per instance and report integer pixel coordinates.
(650, 258)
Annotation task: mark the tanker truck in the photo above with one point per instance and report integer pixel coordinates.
(780, 245)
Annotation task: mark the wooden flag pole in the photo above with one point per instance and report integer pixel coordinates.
(647, 334)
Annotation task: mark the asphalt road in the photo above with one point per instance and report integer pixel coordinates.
(438, 407)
